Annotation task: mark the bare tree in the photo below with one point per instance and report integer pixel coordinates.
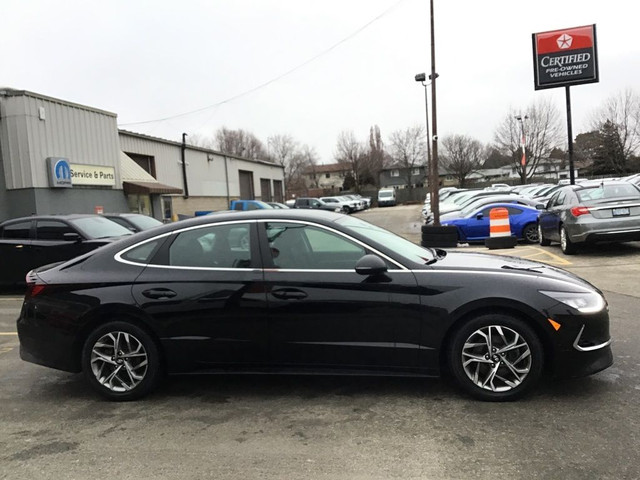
(349, 152)
(295, 159)
(376, 157)
(620, 115)
(408, 150)
(462, 155)
(543, 132)
(239, 142)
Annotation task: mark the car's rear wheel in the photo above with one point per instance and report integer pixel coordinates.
(121, 361)
(530, 233)
(496, 357)
(566, 245)
(545, 242)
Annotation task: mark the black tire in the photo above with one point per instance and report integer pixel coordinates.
(469, 343)
(530, 233)
(566, 245)
(545, 242)
(125, 377)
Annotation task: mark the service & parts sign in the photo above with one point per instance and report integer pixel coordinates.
(565, 57)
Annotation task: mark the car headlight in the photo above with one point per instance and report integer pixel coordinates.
(584, 302)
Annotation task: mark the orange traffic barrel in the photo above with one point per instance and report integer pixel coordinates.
(499, 230)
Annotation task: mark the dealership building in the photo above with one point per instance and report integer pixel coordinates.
(61, 157)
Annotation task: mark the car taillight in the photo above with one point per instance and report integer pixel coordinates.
(34, 290)
(577, 211)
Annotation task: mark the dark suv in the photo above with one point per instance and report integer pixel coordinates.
(30, 242)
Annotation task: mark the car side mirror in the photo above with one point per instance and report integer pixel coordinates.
(371, 265)
(479, 216)
(71, 237)
(541, 206)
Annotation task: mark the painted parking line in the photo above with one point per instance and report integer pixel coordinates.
(7, 334)
(532, 253)
(542, 255)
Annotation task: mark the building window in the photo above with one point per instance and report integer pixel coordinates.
(146, 162)
(415, 171)
(395, 173)
(327, 175)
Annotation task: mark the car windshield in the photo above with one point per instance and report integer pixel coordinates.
(398, 244)
(385, 194)
(144, 222)
(99, 227)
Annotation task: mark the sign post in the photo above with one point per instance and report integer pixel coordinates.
(562, 58)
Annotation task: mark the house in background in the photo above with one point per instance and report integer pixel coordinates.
(328, 177)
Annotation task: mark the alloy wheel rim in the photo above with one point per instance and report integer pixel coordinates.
(532, 235)
(119, 361)
(496, 358)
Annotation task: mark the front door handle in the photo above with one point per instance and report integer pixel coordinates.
(159, 293)
(289, 294)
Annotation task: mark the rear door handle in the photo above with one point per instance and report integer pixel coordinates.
(159, 293)
(289, 294)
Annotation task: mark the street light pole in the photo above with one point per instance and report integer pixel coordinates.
(421, 77)
(434, 178)
(523, 143)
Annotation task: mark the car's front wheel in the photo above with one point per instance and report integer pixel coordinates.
(496, 357)
(121, 361)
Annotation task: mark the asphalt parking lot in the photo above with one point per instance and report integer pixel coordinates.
(53, 427)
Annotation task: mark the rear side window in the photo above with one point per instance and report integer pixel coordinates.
(143, 253)
(18, 230)
(218, 246)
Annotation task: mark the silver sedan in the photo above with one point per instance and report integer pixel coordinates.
(592, 212)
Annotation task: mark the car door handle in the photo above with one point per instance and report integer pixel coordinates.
(159, 293)
(289, 294)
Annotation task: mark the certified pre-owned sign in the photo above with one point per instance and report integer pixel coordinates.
(565, 57)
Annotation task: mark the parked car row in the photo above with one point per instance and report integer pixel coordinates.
(29, 242)
(572, 215)
(347, 203)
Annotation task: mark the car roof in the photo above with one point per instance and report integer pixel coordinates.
(53, 216)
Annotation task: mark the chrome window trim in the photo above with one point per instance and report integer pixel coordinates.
(118, 256)
(588, 349)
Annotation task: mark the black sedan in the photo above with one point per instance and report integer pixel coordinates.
(309, 292)
(29, 242)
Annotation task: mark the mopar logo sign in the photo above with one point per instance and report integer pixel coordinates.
(59, 172)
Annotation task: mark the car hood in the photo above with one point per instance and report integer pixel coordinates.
(470, 261)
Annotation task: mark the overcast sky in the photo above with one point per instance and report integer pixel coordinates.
(310, 69)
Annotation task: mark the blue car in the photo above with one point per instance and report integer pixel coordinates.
(474, 227)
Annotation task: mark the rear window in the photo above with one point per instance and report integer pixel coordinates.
(604, 192)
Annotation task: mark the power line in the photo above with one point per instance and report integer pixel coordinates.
(275, 79)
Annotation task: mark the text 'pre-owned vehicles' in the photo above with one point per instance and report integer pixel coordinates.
(308, 292)
(29, 242)
(591, 212)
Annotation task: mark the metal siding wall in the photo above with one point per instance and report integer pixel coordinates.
(83, 136)
(204, 177)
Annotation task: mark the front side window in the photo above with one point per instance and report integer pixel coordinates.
(306, 247)
(52, 230)
(217, 246)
